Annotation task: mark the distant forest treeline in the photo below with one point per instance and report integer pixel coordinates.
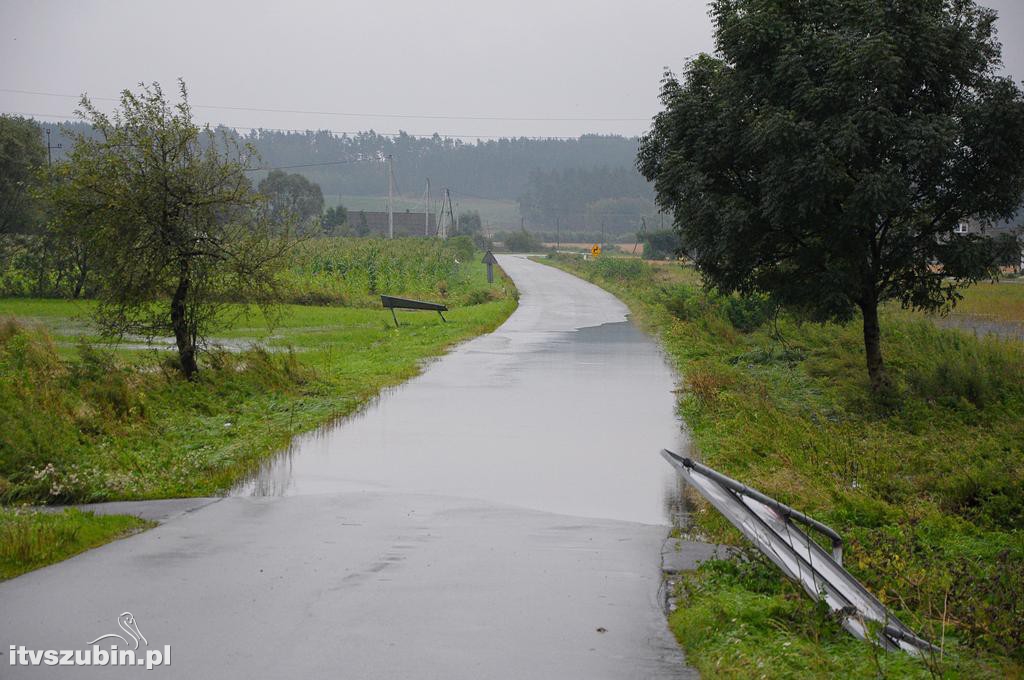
(587, 199)
(579, 182)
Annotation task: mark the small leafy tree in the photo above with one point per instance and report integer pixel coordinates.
(334, 219)
(521, 241)
(290, 196)
(827, 153)
(362, 226)
(175, 229)
(470, 222)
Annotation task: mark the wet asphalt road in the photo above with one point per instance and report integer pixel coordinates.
(500, 516)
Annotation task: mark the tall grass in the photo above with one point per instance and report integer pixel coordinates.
(30, 539)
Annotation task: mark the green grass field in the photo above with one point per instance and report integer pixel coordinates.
(926, 484)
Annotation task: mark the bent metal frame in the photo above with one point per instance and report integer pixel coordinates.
(771, 526)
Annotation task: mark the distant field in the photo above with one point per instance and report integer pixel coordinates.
(495, 213)
(989, 309)
(1004, 300)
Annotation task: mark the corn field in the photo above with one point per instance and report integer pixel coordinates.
(356, 271)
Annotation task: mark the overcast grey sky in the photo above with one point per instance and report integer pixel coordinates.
(476, 59)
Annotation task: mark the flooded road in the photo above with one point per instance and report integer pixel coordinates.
(501, 516)
(563, 409)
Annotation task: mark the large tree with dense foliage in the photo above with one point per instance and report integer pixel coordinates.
(22, 154)
(828, 151)
(175, 226)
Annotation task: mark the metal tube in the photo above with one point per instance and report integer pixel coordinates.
(897, 634)
(781, 508)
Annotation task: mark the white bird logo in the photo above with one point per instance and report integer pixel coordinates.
(127, 623)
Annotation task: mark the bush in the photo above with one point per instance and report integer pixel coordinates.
(520, 242)
(955, 370)
(682, 302)
(748, 313)
(463, 247)
(661, 245)
(481, 296)
(621, 269)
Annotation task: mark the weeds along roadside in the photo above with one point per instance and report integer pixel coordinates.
(927, 485)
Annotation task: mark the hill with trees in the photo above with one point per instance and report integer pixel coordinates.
(579, 181)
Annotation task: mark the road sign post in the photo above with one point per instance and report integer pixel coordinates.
(490, 261)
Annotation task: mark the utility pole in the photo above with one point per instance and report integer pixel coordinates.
(391, 188)
(446, 209)
(451, 213)
(640, 234)
(602, 231)
(426, 211)
(49, 157)
(558, 233)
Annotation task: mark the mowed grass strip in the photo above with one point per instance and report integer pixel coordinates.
(926, 484)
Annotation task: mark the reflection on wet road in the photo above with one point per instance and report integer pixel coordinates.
(563, 409)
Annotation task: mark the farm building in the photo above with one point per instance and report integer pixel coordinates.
(407, 223)
(1013, 226)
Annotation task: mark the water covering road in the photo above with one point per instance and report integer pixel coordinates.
(500, 516)
(561, 409)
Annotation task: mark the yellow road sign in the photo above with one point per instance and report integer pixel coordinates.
(595, 250)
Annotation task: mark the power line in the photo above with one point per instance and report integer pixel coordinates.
(350, 133)
(431, 116)
(314, 165)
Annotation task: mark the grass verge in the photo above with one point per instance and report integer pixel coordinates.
(927, 485)
(32, 539)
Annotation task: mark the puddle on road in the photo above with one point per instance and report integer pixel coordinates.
(568, 422)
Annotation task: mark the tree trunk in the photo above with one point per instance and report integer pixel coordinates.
(873, 345)
(83, 272)
(186, 342)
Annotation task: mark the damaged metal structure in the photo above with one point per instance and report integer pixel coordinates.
(772, 527)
